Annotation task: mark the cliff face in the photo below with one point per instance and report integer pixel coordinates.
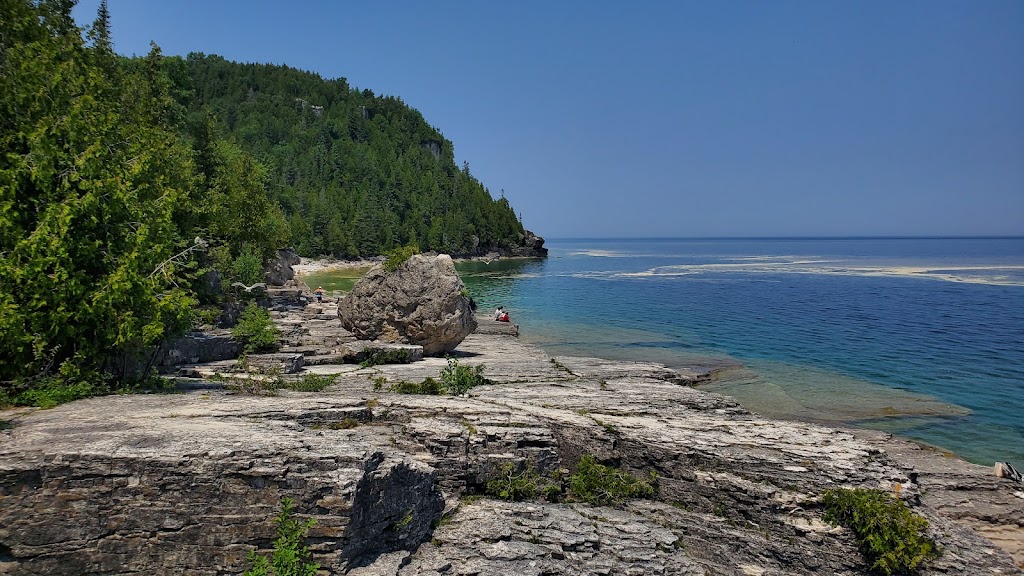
(188, 483)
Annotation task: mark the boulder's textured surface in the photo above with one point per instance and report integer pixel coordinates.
(189, 483)
(422, 302)
(280, 269)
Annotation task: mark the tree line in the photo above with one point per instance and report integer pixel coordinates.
(125, 181)
(354, 174)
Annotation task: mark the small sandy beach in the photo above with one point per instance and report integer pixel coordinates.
(314, 265)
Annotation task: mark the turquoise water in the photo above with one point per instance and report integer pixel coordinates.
(920, 337)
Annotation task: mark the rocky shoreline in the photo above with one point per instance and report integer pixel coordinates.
(188, 483)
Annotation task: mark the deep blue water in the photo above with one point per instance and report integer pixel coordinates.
(921, 337)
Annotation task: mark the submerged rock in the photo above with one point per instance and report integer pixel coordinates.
(423, 302)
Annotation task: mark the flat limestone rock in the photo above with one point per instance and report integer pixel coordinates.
(288, 363)
(495, 327)
(190, 483)
(362, 350)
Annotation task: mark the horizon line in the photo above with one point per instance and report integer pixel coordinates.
(881, 237)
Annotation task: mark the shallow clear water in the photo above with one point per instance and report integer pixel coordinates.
(919, 337)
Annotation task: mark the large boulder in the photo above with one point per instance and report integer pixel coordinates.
(422, 302)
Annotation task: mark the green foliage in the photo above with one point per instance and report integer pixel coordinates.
(398, 256)
(54, 391)
(592, 483)
(457, 380)
(386, 356)
(93, 176)
(256, 330)
(239, 210)
(523, 484)
(247, 268)
(310, 383)
(402, 522)
(428, 386)
(133, 177)
(346, 424)
(290, 557)
(604, 486)
(205, 315)
(354, 174)
(890, 535)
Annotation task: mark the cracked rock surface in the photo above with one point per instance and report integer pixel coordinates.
(189, 483)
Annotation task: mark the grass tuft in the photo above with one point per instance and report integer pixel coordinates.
(310, 383)
(890, 535)
(604, 485)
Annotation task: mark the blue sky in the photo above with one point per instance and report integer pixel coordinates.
(602, 119)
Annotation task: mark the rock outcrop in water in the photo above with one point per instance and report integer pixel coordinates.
(423, 302)
(189, 483)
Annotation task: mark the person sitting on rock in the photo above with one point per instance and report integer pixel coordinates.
(319, 294)
(503, 317)
(498, 313)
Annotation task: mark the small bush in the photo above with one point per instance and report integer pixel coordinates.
(890, 535)
(205, 315)
(291, 556)
(429, 386)
(54, 391)
(256, 330)
(398, 256)
(457, 380)
(386, 356)
(247, 268)
(515, 486)
(5, 425)
(310, 383)
(604, 486)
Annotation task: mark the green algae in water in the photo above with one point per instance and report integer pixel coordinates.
(335, 281)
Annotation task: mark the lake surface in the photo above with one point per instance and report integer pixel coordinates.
(920, 337)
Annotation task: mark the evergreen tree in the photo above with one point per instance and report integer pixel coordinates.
(339, 159)
(89, 180)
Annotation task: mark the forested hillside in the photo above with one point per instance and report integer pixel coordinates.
(354, 173)
(134, 189)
